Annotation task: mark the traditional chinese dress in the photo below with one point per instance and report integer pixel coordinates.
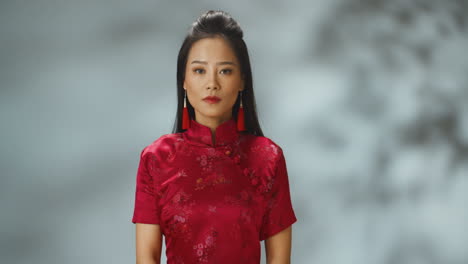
(214, 202)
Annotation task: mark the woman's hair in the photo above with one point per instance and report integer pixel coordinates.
(211, 24)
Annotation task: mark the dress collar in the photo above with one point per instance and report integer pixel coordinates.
(198, 134)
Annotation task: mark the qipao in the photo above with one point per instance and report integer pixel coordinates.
(214, 202)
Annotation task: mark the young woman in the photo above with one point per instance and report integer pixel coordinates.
(215, 187)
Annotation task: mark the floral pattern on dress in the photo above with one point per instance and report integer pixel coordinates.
(180, 226)
(261, 183)
(214, 179)
(212, 208)
(204, 248)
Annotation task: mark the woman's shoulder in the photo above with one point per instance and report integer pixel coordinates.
(163, 145)
(263, 144)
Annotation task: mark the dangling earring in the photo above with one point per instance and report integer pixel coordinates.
(240, 116)
(185, 114)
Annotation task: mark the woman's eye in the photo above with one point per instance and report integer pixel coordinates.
(226, 71)
(198, 70)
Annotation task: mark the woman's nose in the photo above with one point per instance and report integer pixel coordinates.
(213, 81)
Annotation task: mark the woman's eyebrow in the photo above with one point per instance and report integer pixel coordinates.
(218, 63)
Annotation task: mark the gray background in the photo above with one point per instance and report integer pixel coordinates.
(368, 99)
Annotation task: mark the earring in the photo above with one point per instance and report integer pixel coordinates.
(185, 114)
(240, 116)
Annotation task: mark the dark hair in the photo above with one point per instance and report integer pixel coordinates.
(211, 24)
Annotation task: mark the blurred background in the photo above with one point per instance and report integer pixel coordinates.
(368, 99)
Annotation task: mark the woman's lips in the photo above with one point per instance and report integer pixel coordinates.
(211, 99)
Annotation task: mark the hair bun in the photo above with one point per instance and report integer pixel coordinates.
(217, 22)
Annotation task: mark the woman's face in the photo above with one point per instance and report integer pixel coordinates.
(212, 69)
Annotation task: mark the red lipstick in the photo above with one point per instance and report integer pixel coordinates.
(212, 99)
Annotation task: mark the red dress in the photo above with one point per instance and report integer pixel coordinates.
(214, 203)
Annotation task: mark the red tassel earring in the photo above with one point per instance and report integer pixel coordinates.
(240, 116)
(185, 114)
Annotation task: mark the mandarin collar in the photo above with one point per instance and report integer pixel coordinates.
(226, 133)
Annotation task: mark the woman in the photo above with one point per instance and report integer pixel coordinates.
(215, 187)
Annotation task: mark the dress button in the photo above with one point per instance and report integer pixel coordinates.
(237, 159)
(228, 152)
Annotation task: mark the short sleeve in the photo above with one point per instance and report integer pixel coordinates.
(146, 200)
(279, 213)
